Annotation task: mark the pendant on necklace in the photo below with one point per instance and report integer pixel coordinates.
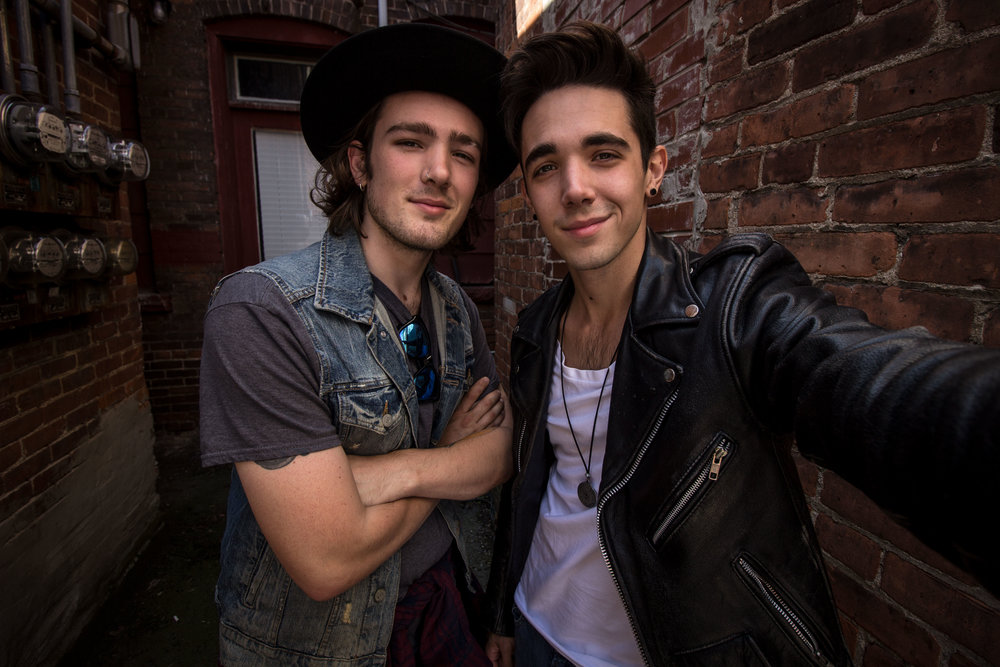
(585, 492)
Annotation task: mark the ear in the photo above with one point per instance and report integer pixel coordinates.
(656, 168)
(524, 193)
(356, 160)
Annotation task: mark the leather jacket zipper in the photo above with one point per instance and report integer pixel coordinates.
(607, 496)
(709, 473)
(791, 619)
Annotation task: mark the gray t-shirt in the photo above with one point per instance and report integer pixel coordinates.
(260, 397)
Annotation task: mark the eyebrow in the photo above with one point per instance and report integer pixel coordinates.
(589, 141)
(426, 130)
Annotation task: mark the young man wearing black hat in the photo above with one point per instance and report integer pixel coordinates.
(656, 517)
(351, 384)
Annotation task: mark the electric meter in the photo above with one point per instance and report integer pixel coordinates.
(123, 257)
(33, 258)
(31, 132)
(89, 149)
(129, 162)
(86, 255)
(3, 260)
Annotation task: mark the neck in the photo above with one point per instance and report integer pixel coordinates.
(400, 268)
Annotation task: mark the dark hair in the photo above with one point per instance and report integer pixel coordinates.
(340, 199)
(585, 54)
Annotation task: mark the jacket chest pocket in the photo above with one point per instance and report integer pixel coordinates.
(370, 421)
(701, 476)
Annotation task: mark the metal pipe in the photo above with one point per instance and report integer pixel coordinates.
(383, 12)
(88, 37)
(51, 74)
(70, 92)
(29, 73)
(7, 73)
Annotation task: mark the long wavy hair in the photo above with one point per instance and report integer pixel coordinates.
(338, 196)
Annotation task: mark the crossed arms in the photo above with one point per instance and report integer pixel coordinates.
(331, 519)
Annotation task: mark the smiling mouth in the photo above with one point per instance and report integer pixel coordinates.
(584, 227)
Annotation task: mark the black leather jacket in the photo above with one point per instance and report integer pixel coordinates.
(701, 516)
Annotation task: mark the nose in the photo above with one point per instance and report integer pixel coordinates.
(577, 184)
(437, 168)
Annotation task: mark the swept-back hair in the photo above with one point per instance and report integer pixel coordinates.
(584, 54)
(338, 196)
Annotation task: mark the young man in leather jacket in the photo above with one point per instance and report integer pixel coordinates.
(656, 516)
(347, 383)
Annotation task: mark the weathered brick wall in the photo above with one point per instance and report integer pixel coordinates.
(864, 135)
(77, 473)
(176, 117)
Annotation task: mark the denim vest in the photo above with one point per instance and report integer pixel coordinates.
(264, 617)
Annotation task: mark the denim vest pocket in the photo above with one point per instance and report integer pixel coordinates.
(370, 421)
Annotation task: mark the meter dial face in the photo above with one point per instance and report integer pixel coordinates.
(50, 258)
(52, 132)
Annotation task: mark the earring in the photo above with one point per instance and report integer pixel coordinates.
(534, 216)
(361, 186)
(652, 192)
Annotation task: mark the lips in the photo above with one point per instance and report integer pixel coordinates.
(584, 227)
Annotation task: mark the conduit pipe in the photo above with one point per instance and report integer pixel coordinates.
(70, 91)
(29, 73)
(88, 37)
(51, 75)
(7, 73)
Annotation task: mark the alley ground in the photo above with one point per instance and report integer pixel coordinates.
(163, 614)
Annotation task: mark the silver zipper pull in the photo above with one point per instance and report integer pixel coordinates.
(717, 456)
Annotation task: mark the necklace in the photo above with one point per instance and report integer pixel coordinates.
(585, 489)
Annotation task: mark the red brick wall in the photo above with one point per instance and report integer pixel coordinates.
(77, 473)
(864, 135)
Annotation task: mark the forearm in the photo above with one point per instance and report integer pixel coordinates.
(467, 469)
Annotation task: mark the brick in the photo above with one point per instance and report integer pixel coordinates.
(941, 76)
(748, 91)
(877, 655)
(843, 253)
(721, 141)
(875, 6)
(663, 37)
(948, 317)
(953, 259)
(973, 15)
(665, 8)
(798, 26)
(689, 116)
(861, 511)
(672, 218)
(991, 330)
(736, 174)
(967, 194)
(742, 16)
(679, 89)
(678, 57)
(717, 215)
(891, 36)
(859, 553)
(963, 618)
(939, 138)
(727, 63)
(792, 163)
(808, 474)
(796, 206)
(186, 246)
(816, 113)
(884, 621)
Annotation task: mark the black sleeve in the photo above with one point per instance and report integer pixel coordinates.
(911, 420)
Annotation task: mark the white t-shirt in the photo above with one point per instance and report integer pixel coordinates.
(566, 591)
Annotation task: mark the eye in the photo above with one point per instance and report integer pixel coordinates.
(543, 169)
(408, 143)
(604, 156)
(468, 157)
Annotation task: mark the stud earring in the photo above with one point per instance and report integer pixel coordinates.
(534, 216)
(652, 192)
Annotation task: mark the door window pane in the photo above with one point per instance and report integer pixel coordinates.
(269, 80)
(285, 171)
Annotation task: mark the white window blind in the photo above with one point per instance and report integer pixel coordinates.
(285, 174)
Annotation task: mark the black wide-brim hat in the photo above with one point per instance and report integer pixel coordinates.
(358, 73)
